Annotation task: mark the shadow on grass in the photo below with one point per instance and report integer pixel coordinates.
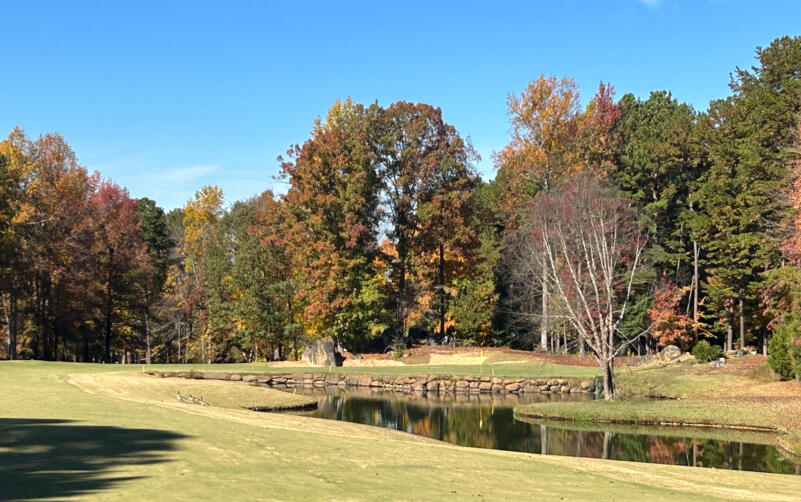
(44, 458)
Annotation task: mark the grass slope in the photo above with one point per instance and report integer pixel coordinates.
(92, 433)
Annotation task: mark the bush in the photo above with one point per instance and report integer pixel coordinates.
(704, 352)
(784, 356)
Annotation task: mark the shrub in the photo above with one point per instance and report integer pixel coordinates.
(235, 355)
(704, 352)
(784, 356)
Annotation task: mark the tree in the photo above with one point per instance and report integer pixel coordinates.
(279, 283)
(589, 244)
(426, 174)
(332, 231)
(743, 196)
(657, 165)
(120, 252)
(14, 167)
(55, 225)
(153, 275)
(200, 214)
(545, 119)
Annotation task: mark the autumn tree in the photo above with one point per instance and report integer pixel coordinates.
(332, 232)
(540, 153)
(14, 166)
(120, 252)
(426, 174)
(199, 216)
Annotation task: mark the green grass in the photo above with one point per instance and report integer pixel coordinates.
(640, 411)
(88, 432)
(530, 370)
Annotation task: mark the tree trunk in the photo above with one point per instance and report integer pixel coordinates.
(730, 329)
(108, 317)
(581, 346)
(696, 253)
(609, 382)
(544, 318)
(147, 336)
(45, 328)
(441, 289)
(399, 317)
(742, 322)
(10, 309)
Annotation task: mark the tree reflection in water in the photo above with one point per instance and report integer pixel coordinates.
(488, 422)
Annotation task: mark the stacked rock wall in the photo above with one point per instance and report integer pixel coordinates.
(456, 384)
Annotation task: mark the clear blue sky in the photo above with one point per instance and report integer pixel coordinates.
(164, 97)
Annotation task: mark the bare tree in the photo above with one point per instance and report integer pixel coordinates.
(589, 244)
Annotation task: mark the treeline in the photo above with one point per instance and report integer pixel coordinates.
(625, 224)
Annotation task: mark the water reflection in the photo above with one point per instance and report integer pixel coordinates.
(488, 422)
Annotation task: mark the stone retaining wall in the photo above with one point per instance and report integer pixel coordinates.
(456, 384)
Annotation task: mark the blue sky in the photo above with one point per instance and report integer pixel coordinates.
(164, 97)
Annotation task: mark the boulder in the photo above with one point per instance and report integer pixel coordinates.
(670, 353)
(320, 354)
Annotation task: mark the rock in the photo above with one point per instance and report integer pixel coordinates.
(513, 387)
(564, 389)
(461, 384)
(236, 377)
(216, 376)
(544, 387)
(485, 386)
(432, 386)
(670, 353)
(249, 378)
(497, 380)
(587, 384)
(320, 354)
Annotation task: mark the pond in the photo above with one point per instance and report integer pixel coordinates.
(487, 421)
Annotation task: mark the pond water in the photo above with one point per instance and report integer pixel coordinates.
(489, 422)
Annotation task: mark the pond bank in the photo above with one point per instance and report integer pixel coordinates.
(443, 384)
(744, 396)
